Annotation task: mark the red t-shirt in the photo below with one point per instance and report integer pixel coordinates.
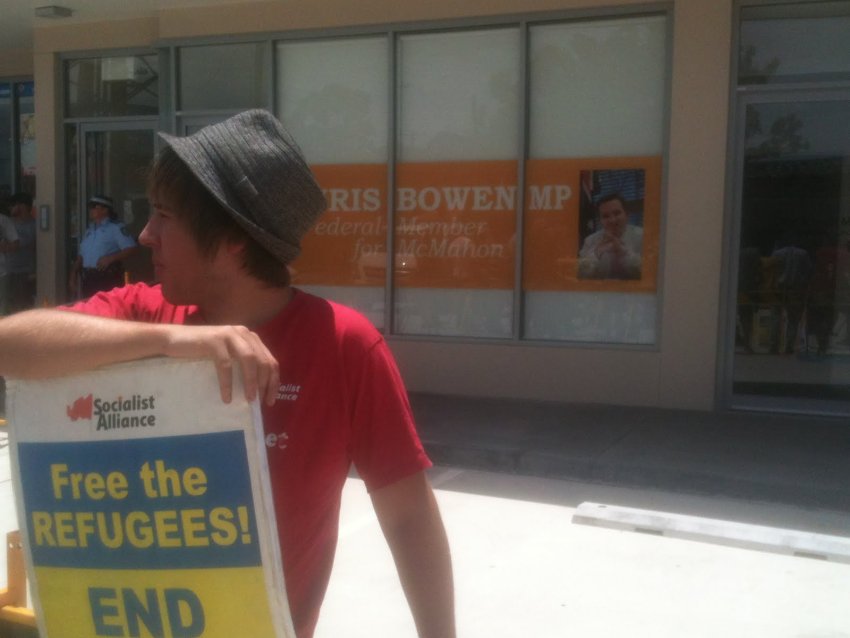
(341, 400)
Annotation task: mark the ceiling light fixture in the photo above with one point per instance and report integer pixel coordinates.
(52, 11)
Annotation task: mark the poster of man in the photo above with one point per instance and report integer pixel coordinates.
(611, 224)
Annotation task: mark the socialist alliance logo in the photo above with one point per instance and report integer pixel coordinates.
(80, 409)
(121, 412)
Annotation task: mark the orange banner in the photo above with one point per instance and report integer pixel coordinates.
(352, 233)
(455, 225)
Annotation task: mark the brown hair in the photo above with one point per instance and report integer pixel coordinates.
(612, 197)
(207, 219)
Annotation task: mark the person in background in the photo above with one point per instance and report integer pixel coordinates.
(230, 205)
(106, 243)
(9, 243)
(614, 252)
(821, 305)
(21, 263)
(793, 271)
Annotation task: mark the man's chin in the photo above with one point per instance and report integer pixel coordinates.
(174, 295)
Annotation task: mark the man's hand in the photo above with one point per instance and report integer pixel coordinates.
(610, 244)
(227, 346)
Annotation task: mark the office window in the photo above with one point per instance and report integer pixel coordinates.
(112, 86)
(802, 42)
(456, 182)
(26, 136)
(223, 76)
(17, 139)
(593, 180)
(7, 166)
(332, 95)
(788, 339)
(425, 205)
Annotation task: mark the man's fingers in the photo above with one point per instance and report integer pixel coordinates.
(267, 372)
(228, 347)
(259, 368)
(224, 370)
(244, 350)
(273, 385)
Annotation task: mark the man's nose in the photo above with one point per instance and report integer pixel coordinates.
(146, 237)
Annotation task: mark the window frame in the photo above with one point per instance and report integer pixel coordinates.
(16, 176)
(741, 95)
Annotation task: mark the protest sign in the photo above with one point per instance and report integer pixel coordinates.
(145, 505)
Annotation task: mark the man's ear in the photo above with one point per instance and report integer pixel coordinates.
(234, 247)
(232, 251)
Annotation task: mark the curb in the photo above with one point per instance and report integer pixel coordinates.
(789, 542)
(633, 473)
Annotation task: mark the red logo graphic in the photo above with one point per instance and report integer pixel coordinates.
(81, 408)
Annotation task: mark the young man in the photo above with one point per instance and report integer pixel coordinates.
(230, 205)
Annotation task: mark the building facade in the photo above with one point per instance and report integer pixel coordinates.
(563, 200)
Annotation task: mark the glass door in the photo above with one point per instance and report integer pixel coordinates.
(791, 306)
(114, 162)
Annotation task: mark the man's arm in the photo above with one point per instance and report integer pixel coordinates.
(7, 246)
(9, 240)
(107, 260)
(74, 276)
(45, 343)
(410, 520)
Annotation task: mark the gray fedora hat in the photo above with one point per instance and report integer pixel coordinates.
(254, 168)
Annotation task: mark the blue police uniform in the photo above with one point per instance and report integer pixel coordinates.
(103, 239)
(99, 240)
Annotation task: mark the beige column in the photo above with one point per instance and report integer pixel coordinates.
(50, 247)
(695, 203)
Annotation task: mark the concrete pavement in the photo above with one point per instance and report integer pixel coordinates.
(797, 460)
(524, 568)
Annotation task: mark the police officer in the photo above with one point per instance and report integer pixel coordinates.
(105, 244)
